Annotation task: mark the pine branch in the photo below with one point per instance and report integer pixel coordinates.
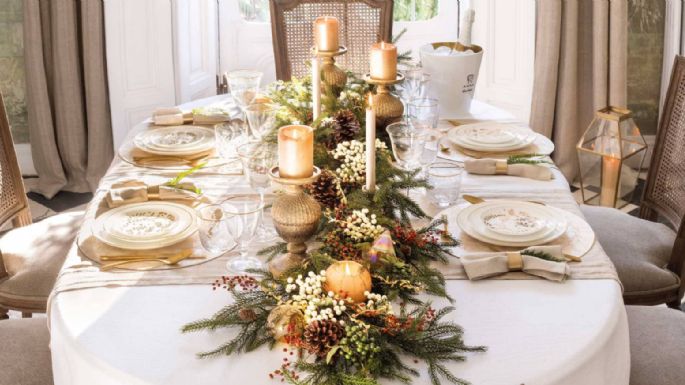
(541, 255)
(273, 251)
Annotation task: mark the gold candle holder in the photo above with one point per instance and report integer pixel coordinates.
(388, 108)
(331, 74)
(296, 217)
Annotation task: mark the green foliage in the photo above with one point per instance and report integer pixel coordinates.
(176, 181)
(541, 255)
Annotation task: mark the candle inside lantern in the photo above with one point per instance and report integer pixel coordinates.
(295, 151)
(316, 87)
(326, 33)
(611, 170)
(348, 279)
(370, 146)
(383, 61)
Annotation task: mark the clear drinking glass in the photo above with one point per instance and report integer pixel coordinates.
(261, 118)
(258, 159)
(242, 218)
(407, 144)
(415, 85)
(430, 151)
(214, 234)
(446, 181)
(244, 85)
(228, 136)
(423, 113)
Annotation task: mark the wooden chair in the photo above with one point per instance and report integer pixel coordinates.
(362, 23)
(25, 353)
(30, 254)
(657, 345)
(648, 255)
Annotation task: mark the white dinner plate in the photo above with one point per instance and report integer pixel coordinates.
(176, 140)
(146, 225)
(552, 224)
(492, 137)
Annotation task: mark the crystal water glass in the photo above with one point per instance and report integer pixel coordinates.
(423, 113)
(244, 85)
(228, 136)
(407, 143)
(261, 118)
(242, 218)
(257, 160)
(415, 84)
(213, 230)
(430, 151)
(445, 178)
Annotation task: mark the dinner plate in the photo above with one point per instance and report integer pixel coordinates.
(492, 137)
(550, 224)
(176, 140)
(146, 225)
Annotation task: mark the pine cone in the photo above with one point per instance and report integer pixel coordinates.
(321, 336)
(347, 126)
(325, 190)
(246, 314)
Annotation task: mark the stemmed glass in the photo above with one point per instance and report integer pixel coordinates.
(261, 118)
(244, 85)
(415, 84)
(242, 218)
(228, 136)
(408, 144)
(258, 159)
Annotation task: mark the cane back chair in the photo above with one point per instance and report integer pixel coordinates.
(30, 254)
(648, 255)
(362, 23)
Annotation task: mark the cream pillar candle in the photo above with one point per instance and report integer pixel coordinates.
(611, 170)
(326, 33)
(370, 146)
(295, 151)
(316, 88)
(383, 61)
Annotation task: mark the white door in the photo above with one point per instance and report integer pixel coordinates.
(506, 31)
(442, 27)
(195, 48)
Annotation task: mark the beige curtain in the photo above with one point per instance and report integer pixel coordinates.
(66, 80)
(581, 52)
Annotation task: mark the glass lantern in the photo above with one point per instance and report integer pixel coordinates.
(610, 155)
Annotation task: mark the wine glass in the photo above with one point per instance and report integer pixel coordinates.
(242, 218)
(228, 136)
(261, 118)
(258, 159)
(423, 113)
(244, 85)
(408, 144)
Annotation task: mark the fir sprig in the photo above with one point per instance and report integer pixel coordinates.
(528, 159)
(541, 255)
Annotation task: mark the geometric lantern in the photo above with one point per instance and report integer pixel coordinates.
(610, 155)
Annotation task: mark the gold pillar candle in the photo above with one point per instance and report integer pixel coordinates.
(348, 279)
(326, 33)
(383, 61)
(611, 169)
(295, 151)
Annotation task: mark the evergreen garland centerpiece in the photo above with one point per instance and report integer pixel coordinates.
(350, 313)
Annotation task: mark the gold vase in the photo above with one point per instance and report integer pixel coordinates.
(296, 217)
(388, 108)
(331, 74)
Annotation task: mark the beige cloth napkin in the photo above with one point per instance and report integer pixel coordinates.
(167, 117)
(484, 265)
(498, 166)
(134, 191)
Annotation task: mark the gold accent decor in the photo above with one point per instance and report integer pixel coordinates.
(296, 218)
(455, 45)
(284, 320)
(514, 261)
(610, 156)
(501, 167)
(388, 108)
(331, 74)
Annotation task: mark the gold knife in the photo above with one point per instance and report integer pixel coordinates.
(173, 260)
(130, 257)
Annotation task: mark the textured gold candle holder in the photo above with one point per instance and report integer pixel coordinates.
(388, 108)
(331, 74)
(296, 217)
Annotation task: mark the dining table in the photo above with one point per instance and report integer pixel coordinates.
(125, 329)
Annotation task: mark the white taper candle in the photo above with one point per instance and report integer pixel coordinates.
(316, 87)
(370, 146)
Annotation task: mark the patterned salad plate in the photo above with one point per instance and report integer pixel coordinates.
(492, 137)
(175, 140)
(146, 225)
(512, 223)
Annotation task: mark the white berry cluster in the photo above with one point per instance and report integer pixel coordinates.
(309, 294)
(378, 302)
(360, 226)
(352, 154)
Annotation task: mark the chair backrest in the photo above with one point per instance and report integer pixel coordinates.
(13, 201)
(664, 193)
(362, 23)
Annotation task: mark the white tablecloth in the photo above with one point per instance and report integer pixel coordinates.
(537, 332)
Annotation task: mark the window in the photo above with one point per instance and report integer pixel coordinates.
(12, 67)
(405, 10)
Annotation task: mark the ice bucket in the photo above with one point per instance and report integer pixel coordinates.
(454, 74)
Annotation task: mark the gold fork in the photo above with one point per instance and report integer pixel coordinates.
(171, 260)
(474, 200)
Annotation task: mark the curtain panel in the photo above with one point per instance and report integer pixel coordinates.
(67, 97)
(581, 53)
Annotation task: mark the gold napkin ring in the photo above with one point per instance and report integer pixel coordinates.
(501, 167)
(514, 261)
